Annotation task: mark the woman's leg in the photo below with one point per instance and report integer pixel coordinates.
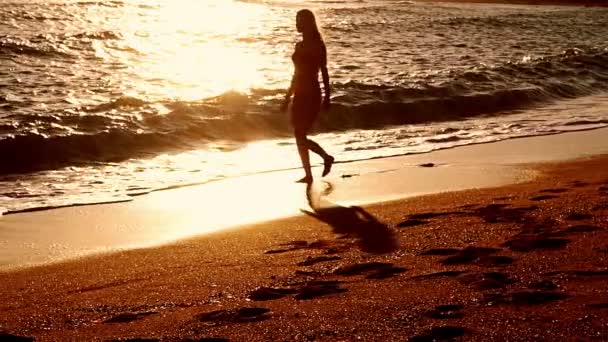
(328, 160)
(303, 119)
(302, 144)
(316, 148)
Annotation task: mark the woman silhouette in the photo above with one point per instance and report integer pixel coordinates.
(309, 57)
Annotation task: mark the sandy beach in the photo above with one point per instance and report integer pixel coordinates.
(150, 152)
(517, 262)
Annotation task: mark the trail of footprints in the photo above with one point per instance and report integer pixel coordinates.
(313, 284)
(494, 285)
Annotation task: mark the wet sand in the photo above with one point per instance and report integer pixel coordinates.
(519, 262)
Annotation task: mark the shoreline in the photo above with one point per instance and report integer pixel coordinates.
(510, 262)
(168, 216)
(190, 185)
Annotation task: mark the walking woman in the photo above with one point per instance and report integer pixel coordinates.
(309, 57)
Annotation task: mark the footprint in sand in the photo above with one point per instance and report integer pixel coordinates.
(582, 228)
(578, 184)
(527, 297)
(422, 218)
(416, 220)
(441, 274)
(4, 336)
(486, 260)
(493, 207)
(449, 311)
(578, 217)
(288, 247)
(543, 197)
(430, 215)
(440, 251)
(315, 260)
(304, 291)
(592, 273)
(474, 252)
(546, 285)
(480, 281)
(319, 288)
(443, 333)
(504, 198)
(129, 317)
(530, 242)
(270, 293)
(278, 251)
(482, 256)
(498, 212)
(329, 247)
(359, 268)
(411, 223)
(384, 273)
(486, 280)
(239, 315)
(554, 191)
(308, 273)
(374, 270)
(468, 206)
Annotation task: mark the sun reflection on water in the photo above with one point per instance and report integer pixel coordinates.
(201, 49)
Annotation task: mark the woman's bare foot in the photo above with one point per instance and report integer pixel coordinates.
(327, 163)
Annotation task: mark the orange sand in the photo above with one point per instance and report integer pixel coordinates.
(521, 262)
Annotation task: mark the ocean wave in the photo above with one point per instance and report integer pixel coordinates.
(128, 127)
(101, 35)
(444, 139)
(113, 4)
(54, 46)
(175, 131)
(122, 102)
(34, 152)
(15, 46)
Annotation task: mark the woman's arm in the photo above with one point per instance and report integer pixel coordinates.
(290, 91)
(285, 103)
(325, 75)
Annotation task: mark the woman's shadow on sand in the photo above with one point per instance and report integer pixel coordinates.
(372, 235)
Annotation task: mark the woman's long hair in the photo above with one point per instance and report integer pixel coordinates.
(309, 24)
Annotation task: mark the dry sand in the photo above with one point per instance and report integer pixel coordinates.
(520, 262)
